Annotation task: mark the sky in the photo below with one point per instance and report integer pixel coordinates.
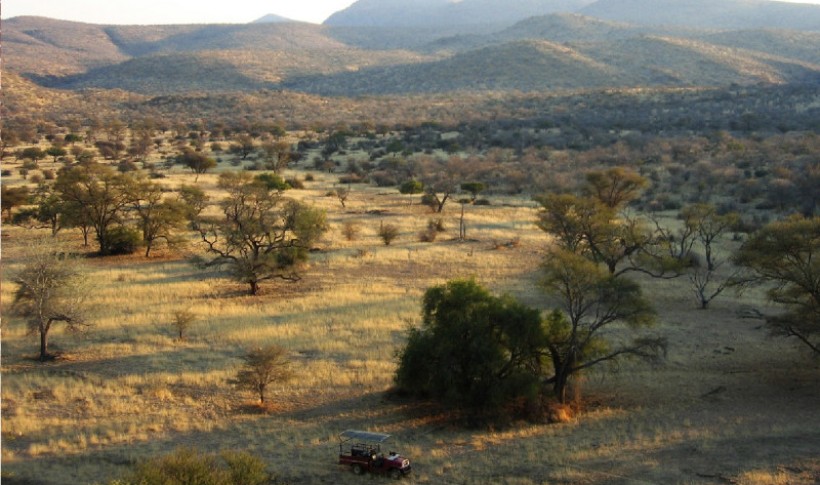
(181, 11)
(147, 12)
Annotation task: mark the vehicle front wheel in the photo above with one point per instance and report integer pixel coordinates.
(357, 469)
(395, 474)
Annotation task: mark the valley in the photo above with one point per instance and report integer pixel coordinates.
(396, 148)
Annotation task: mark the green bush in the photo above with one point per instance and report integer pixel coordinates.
(272, 181)
(474, 351)
(411, 187)
(122, 240)
(188, 466)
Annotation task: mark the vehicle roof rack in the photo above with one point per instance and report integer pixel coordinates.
(352, 434)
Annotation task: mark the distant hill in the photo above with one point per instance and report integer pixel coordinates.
(272, 19)
(45, 46)
(792, 44)
(549, 52)
(417, 13)
(559, 27)
(70, 55)
(161, 74)
(494, 14)
(709, 14)
(537, 65)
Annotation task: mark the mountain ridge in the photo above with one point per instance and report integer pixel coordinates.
(555, 51)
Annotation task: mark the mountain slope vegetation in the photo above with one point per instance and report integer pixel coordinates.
(557, 51)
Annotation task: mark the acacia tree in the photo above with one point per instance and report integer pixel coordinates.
(197, 162)
(599, 227)
(100, 196)
(707, 226)
(263, 366)
(785, 254)
(244, 146)
(277, 155)
(587, 226)
(592, 301)
(441, 179)
(615, 187)
(11, 197)
(50, 290)
(195, 201)
(262, 236)
(158, 217)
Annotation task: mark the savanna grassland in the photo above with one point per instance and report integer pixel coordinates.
(730, 404)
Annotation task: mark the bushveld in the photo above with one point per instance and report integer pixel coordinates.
(730, 403)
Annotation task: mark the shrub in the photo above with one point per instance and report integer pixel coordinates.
(188, 466)
(351, 230)
(474, 350)
(272, 181)
(411, 187)
(123, 240)
(352, 179)
(383, 178)
(433, 228)
(388, 233)
(428, 236)
(183, 320)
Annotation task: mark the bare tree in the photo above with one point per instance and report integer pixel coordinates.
(51, 289)
(183, 320)
(263, 366)
(342, 193)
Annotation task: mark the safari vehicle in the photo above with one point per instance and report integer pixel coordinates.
(361, 451)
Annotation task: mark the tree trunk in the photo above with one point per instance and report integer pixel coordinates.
(43, 344)
(254, 287)
(462, 229)
(560, 387)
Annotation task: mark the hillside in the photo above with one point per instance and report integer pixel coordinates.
(559, 27)
(699, 14)
(709, 14)
(36, 45)
(170, 59)
(400, 13)
(796, 45)
(556, 51)
(535, 65)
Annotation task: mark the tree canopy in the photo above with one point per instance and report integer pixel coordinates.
(261, 235)
(784, 254)
(591, 301)
(50, 289)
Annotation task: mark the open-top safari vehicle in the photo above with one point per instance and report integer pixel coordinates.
(361, 451)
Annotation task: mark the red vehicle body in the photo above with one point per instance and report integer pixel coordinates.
(361, 451)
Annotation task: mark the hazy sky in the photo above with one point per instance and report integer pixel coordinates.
(180, 11)
(173, 11)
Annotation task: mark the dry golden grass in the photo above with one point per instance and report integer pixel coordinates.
(729, 404)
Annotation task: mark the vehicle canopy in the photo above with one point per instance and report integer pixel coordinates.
(352, 434)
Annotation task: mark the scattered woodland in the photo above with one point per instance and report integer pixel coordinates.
(582, 284)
